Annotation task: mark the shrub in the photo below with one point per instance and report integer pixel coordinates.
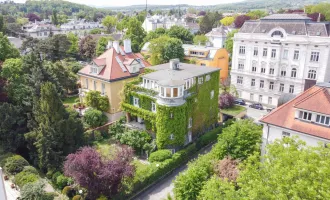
(55, 175)
(226, 100)
(49, 196)
(95, 100)
(95, 118)
(208, 138)
(15, 164)
(69, 191)
(49, 174)
(31, 170)
(98, 136)
(77, 197)
(134, 138)
(160, 155)
(23, 178)
(3, 158)
(34, 191)
(61, 181)
(102, 197)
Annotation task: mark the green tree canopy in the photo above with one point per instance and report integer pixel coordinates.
(229, 42)
(109, 22)
(256, 14)
(102, 45)
(74, 47)
(323, 8)
(95, 100)
(7, 49)
(200, 40)
(227, 21)
(181, 33)
(136, 33)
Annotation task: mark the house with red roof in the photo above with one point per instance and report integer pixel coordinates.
(109, 72)
(306, 116)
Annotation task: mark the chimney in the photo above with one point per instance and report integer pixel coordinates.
(174, 64)
(109, 45)
(127, 46)
(116, 46)
(319, 18)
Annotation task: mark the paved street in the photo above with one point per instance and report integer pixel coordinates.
(165, 187)
(254, 113)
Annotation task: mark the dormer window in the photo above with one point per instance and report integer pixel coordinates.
(307, 116)
(94, 70)
(277, 33)
(323, 120)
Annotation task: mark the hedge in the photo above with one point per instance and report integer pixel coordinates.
(15, 164)
(155, 171)
(23, 178)
(160, 155)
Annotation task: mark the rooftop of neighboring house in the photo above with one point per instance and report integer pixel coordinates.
(221, 31)
(17, 42)
(174, 72)
(290, 115)
(293, 24)
(188, 48)
(42, 27)
(116, 63)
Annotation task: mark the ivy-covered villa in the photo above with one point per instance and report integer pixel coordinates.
(177, 101)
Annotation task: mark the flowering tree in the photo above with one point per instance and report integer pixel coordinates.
(97, 174)
(239, 21)
(32, 17)
(227, 168)
(226, 100)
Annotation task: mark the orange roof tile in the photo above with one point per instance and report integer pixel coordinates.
(314, 99)
(112, 70)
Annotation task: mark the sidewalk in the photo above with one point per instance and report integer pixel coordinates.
(12, 194)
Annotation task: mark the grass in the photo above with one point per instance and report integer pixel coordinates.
(107, 148)
(233, 111)
(70, 100)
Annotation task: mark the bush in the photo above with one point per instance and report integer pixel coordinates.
(95, 100)
(69, 191)
(34, 191)
(95, 118)
(160, 155)
(23, 178)
(31, 170)
(77, 197)
(134, 138)
(55, 175)
(15, 164)
(98, 136)
(49, 196)
(3, 158)
(49, 174)
(208, 138)
(62, 181)
(102, 197)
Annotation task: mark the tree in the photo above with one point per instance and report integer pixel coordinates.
(181, 33)
(229, 42)
(227, 21)
(58, 133)
(56, 47)
(154, 34)
(54, 17)
(323, 8)
(226, 100)
(240, 140)
(239, 21)
(100, 176)
(95, 118)
(33, 17)
(256, 14)
(205, 25)
(227, 169)
(22, 21)
(12, 127)
(136, 33)
(164, 48)
(95, 100)
(134, 138)
(288, 171)
(96, 31)
(216, 188)
(200, 40)
(73, 39)
(102, 45)
(2, 24)
(109, 22)
(7, 49)
(87, 47)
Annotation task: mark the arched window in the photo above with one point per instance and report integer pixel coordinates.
(294, 73)
(312, 74)
(277, 33)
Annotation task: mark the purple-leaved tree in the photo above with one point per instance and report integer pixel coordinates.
(226, 100)
(97, 174)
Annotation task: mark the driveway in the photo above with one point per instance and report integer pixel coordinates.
(161, 190)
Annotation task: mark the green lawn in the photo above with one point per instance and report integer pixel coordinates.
(234, 111)
(107, 148)
(70, 100)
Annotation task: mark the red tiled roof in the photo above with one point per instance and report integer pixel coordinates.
(314, 99)
(112, 70)
(99, 62)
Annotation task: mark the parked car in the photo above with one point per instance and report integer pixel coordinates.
(256, 106)
(240, 102)
(270, 109)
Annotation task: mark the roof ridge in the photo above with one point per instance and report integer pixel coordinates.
(308, 97)
(284, 105)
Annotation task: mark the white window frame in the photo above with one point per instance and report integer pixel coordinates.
(285, 134)
(190, 122)
(262, 84)
(281, 89)
(319, 118)
(296, 55)
(264, 52)
(283, 72)
(271, 85)
(315, 56)
(172, 136)
(285, 55)
(240, 65)
(241, 50)
(306, 116)
(212, 94)
(103, 88)
(255, 51)
(273, 54)
(271, 71)
(291, 89)
(253, 82)
(263, 70)
(136, 102)
(294, 73)
(200, 80)
(207, 77)
(153, 107)
(254, 67)
(94, 84)
(86, 82)
(312, 74)
(240, 80)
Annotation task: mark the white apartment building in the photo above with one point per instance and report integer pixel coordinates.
(280, 53)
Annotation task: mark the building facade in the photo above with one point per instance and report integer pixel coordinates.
(109, 72)
(3, 195)
(306, 116)
(208, 56)
(177, 101)
(279, 54)
(218, 36)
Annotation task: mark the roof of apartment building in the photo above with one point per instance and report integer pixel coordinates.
(293, 24)
(164, 73)
(221, 31)
(115, 65)
(315, 99)
(211, 50)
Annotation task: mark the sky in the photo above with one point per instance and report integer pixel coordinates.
(154, 2)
